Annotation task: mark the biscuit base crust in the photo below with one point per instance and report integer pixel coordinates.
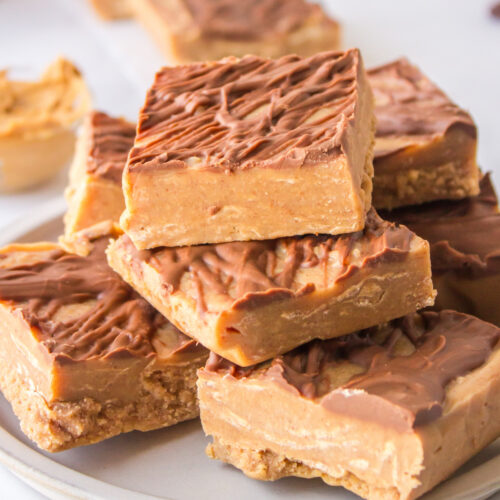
(266, 465)
(168, 396)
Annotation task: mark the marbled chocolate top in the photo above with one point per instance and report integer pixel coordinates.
(247, 273)
(408, 104)
(253, 111)
(399, 372)
(109, 144)
(464, 234)
(114, 321)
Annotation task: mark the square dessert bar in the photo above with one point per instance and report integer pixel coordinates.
(95, 192)
(201, 30)
(251, 149)
(425, 145)
(387, 413)
(249, 301)
(82, 356)
(464, 236)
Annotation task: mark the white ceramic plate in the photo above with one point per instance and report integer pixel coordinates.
(171, 463)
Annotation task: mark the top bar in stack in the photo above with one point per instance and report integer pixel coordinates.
(251, 149)
(94, 193)
(201, 30)
(425, 147)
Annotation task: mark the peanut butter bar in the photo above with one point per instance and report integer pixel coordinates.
(465, 250)
(251, 149)
(387, 413)
(249, 301)
(95, 192)
(82, 356)
(200, 30)
(425, 147)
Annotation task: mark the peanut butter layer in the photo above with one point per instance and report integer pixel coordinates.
(425, 147)
(81, 339)
(94, 193)
(465, 249)
(249, 301)
(251, 149)
(197, 30)
(387, 412)
(37, 119)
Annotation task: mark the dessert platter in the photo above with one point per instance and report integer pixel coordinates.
(104, 471)
(281, 279)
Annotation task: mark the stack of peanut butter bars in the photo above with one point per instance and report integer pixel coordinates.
(223, 256)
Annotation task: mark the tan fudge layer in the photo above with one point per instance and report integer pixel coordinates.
(425, 146)
(37, 121)
(196, 30)
(250, 301)
(464, 236)
(251, 149)
(82, 357)
(94, 193)
(387, 414)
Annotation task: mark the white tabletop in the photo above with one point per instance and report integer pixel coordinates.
(455, 42)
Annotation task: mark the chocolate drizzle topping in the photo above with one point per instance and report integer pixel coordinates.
(249, 19)
(240, 113)
(114, 322)
(110, 142)
(464, 234)
(246, 271)
(409, 104)
(405, 367)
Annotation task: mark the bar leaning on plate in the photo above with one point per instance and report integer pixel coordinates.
(387, 412)
(249, 301)
(82, 356)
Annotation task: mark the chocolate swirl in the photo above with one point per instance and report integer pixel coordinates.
(115, 321)
(404, 368)
(464, 234)
(240, 113)
(109, 144)
(249, 19)
(409, 104)
(246, 272)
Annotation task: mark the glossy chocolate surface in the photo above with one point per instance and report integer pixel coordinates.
(237, 114)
